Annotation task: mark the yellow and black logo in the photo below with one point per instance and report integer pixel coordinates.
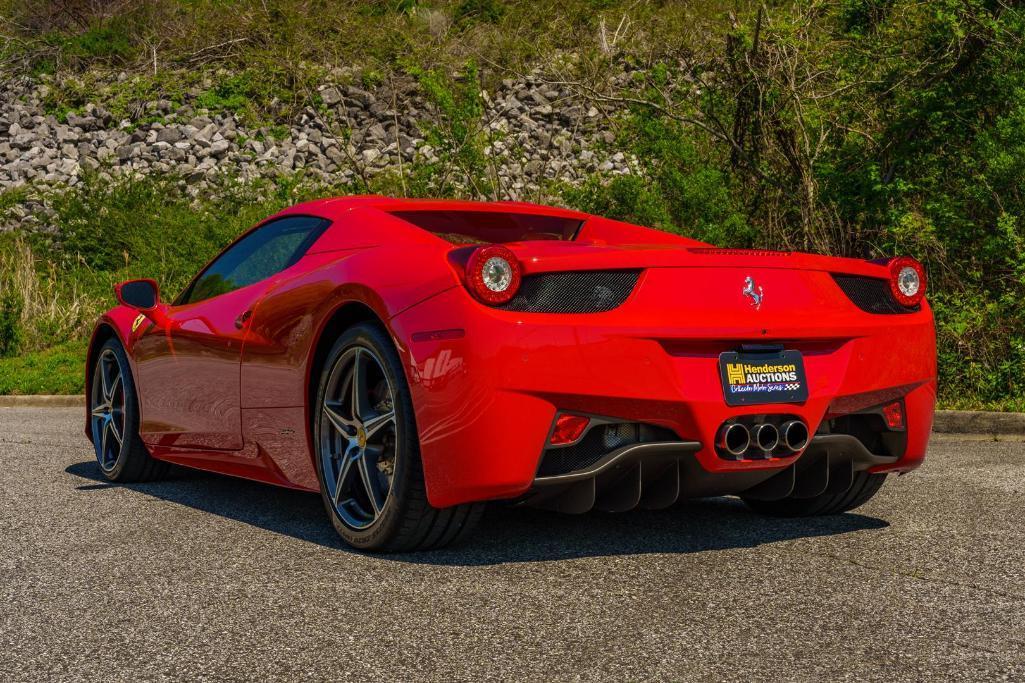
(735, 373)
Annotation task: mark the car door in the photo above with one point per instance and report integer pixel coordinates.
(189, 368)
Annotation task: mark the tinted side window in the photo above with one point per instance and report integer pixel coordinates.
(267, 250)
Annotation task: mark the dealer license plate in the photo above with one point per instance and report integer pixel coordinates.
(753, 378)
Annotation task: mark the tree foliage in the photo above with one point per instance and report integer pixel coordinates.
(864, 127)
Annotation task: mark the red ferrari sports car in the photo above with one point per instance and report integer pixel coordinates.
(411, 360)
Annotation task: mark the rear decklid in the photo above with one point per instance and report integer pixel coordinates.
(703, 292)
(576, 263)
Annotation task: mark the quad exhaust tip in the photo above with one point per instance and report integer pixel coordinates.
(795, 435)
(766, 436)
(734, 439)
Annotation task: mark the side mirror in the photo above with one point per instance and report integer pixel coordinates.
(142, 295)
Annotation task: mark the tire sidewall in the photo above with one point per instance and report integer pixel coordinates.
(387, 525)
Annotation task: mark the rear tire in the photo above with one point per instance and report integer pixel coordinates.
(864, 487)
(114, 420)
(368, 452)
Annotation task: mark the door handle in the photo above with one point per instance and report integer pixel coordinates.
(243, 318)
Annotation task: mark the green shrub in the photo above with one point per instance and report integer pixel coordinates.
(111, 42)
(625, 198)
(231, 94)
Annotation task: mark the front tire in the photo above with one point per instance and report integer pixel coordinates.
(368, 451)
(114, 420)
(864, 487)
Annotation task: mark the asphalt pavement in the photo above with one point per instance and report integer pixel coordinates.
(205, 577)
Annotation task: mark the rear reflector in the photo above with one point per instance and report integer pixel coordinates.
(894, 415)
(568, 428)
(438, 335)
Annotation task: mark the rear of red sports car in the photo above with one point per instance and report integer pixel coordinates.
(409, 359)
(618, 367)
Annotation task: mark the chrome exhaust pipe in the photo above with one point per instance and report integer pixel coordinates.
(766, 436)
(795, 435)
(734, 439)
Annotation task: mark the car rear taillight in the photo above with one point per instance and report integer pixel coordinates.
(907, 280)
(493, 274)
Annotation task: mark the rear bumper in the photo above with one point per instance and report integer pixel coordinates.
(657, 475)
(487, 385)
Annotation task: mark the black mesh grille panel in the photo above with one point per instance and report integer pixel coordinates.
(594, 446)
(871, 294)
(585, 453)
(589, 291)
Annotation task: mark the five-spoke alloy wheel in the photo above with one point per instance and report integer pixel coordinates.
(368, 452)
(358, 437)
(107, 410)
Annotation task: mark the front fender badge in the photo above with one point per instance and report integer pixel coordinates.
(139, 320)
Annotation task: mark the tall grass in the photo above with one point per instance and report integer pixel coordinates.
(37, 308)
(51, 290)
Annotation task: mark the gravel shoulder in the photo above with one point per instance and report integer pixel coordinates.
(210, 577)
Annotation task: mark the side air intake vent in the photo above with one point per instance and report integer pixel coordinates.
(871, 295)
(590, 291)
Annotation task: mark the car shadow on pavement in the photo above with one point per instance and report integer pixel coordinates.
(506, 534)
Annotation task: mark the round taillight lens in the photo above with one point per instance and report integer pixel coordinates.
(907, 280)
(493, 274)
